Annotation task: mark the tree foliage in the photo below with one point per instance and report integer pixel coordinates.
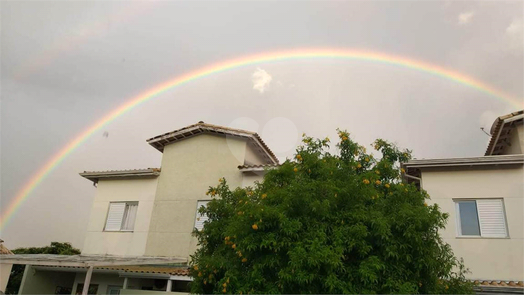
(17, 271)
(326, 222)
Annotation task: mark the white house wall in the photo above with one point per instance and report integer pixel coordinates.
(516, 141)
(98, 241)
(487, 258)
(250, 178)
(44, 282)
(103, 280)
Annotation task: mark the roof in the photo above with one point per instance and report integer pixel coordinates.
(500, 131)
(142, 269)
(86, 260)
(262, 167)
(160, 141)
(468, 162)
(94, 176)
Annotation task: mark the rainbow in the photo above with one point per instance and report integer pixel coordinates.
(216, 68)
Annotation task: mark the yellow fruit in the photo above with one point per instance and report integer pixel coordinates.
(378, 172)
(387, 185)
(199, 274)
(402, 170)
(224, 285)
(234, 246)
(377, 182)
(205, 283)
(295, 169)
(220, 179)
(309, 170)
(359, 165)
(299, 157)
(447, 287)
(264, 196)
(366, 159)
(344, 138)
(254, 226)
(365, 181)
(244, 260)
(195, 267)
(224, 290)
(425, 204)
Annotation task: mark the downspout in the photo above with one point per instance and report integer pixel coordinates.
(415, 178)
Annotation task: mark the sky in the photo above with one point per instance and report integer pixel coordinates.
(65, 64)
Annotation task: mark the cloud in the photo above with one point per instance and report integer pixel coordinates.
(465, 17)
(261, 80)
(514, 33)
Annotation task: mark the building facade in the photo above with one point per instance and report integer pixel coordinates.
(152, 212)
(484, 197)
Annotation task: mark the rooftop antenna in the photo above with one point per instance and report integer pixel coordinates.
(482, 128)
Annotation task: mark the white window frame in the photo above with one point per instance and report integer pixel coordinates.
(481, 236)
(197, 215)
(124, 216)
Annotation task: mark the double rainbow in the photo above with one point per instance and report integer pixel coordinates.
(349, 54)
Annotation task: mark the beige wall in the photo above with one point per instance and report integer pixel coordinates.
(487, 258)
(516, 141)
(249, 178)
(5, 271)
(189, 167)
(44, 282)
(252, 157)
(120, 243)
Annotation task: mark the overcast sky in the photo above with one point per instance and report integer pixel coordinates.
(66, 64)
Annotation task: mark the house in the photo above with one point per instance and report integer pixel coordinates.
(484, 197)
(139, 239)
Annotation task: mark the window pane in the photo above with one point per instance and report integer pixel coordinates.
(469, 222)
(130, 216)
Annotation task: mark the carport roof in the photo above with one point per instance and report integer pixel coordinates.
(87, 260)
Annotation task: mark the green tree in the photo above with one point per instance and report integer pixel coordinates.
(326, 222)
(17, 272)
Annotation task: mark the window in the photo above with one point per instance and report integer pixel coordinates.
(200, 219)
(121, 216)
(93, 289)
(481, 218)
